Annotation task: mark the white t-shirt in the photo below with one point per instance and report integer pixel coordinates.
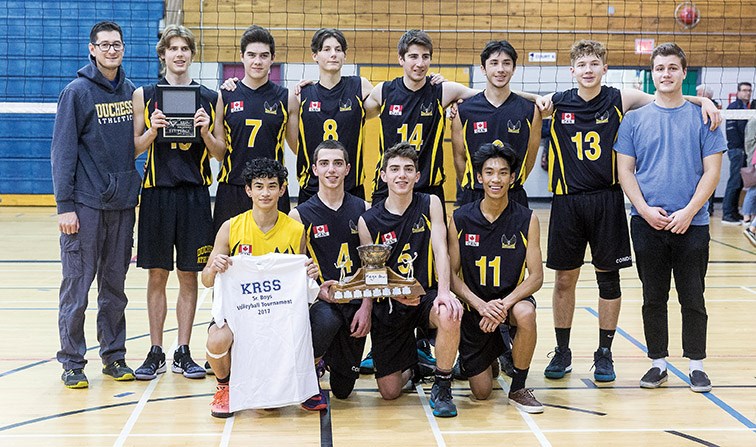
(264, 301)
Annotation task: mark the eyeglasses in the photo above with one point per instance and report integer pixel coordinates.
(105, 47)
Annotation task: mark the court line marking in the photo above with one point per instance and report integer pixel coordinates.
(691, 438)
(748, 289)
(534, 428)
(684, 377)
(600, 430)
(151, 387)
(429, 415)
(326, 430)
(228, 427)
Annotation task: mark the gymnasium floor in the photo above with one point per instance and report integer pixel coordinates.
(174, 411)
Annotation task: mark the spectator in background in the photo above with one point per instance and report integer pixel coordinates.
(749, 203)
(736, 154)
(705, 91)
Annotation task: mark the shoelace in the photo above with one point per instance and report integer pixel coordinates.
(444, 393)
(220, 396)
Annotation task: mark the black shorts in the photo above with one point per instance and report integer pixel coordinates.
(358, 191)
(393, 333)
(232, 200)
(178, 216)
(596, 218)
(478, 349)
(331, 337)
(516, 194)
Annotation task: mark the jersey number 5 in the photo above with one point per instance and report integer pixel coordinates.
(593, 140)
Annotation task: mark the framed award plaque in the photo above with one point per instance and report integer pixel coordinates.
(179, 103)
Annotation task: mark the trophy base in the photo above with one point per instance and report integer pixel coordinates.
(355, 288)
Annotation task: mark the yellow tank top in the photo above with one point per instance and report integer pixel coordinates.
(245, 237)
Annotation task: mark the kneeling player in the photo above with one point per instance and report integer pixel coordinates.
(498, 239)
(412, 224)
(259, 231)
(330, 218)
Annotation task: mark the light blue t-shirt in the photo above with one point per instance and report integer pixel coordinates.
(669, 146)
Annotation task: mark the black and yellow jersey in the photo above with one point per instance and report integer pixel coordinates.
(332, 236)
(331, 114)
(246, 238)
(482, 123)
(493, 254)
(409, 236)
(581, 158)
(255, 121)
(176, 164)
(418, 118)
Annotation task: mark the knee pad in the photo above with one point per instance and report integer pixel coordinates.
(609, 285)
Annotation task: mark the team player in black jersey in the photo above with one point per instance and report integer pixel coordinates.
(330, 218)
(255, 116)
(331, 109)
(412, 224)
(496, 115)
(498, 239)
(588, 205)
(175, 205)
(411, 109)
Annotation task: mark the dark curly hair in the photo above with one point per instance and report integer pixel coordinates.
(495, 150)
(264, 168)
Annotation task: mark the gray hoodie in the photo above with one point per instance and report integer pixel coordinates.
(92, 150)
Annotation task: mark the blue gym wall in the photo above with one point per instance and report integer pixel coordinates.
(42, 45)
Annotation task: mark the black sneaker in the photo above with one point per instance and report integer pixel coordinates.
(153, 365)
(506, 363)
(209, 369)
(699, 382)
(74, 378)
(183, 364)
(653, 378)
(604, 365)
(560, 364)
(441, 399)
(119, 371)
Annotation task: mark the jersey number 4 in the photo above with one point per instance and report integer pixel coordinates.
(593, 142)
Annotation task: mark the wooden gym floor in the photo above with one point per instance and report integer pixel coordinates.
(172, 410)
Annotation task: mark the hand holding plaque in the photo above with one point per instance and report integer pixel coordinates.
(375, 280)
(179, 103)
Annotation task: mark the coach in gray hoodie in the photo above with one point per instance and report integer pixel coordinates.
(96, 187)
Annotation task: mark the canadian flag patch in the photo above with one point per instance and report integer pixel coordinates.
(245, 249)
(480, 127)
(396, 109)
(314, 106)
(319, 231)
(389, 238)
(472, 240)
(568, 118)
(237, 106)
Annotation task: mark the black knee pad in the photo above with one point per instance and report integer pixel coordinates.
(341, 385)
(609, 285)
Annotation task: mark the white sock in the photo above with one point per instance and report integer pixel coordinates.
(660, 363)
(696, 365)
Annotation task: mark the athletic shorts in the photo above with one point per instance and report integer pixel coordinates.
(516, 194)
(232, 200)
(331, 337)
(597, 219)
(478, 349)
(175, 217)
(393, 333)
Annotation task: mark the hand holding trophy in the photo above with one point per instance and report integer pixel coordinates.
(375, 280)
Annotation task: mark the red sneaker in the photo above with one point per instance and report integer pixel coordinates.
(219, 406)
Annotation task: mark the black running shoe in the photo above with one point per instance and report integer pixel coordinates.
(153, 365)
(183, 364)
